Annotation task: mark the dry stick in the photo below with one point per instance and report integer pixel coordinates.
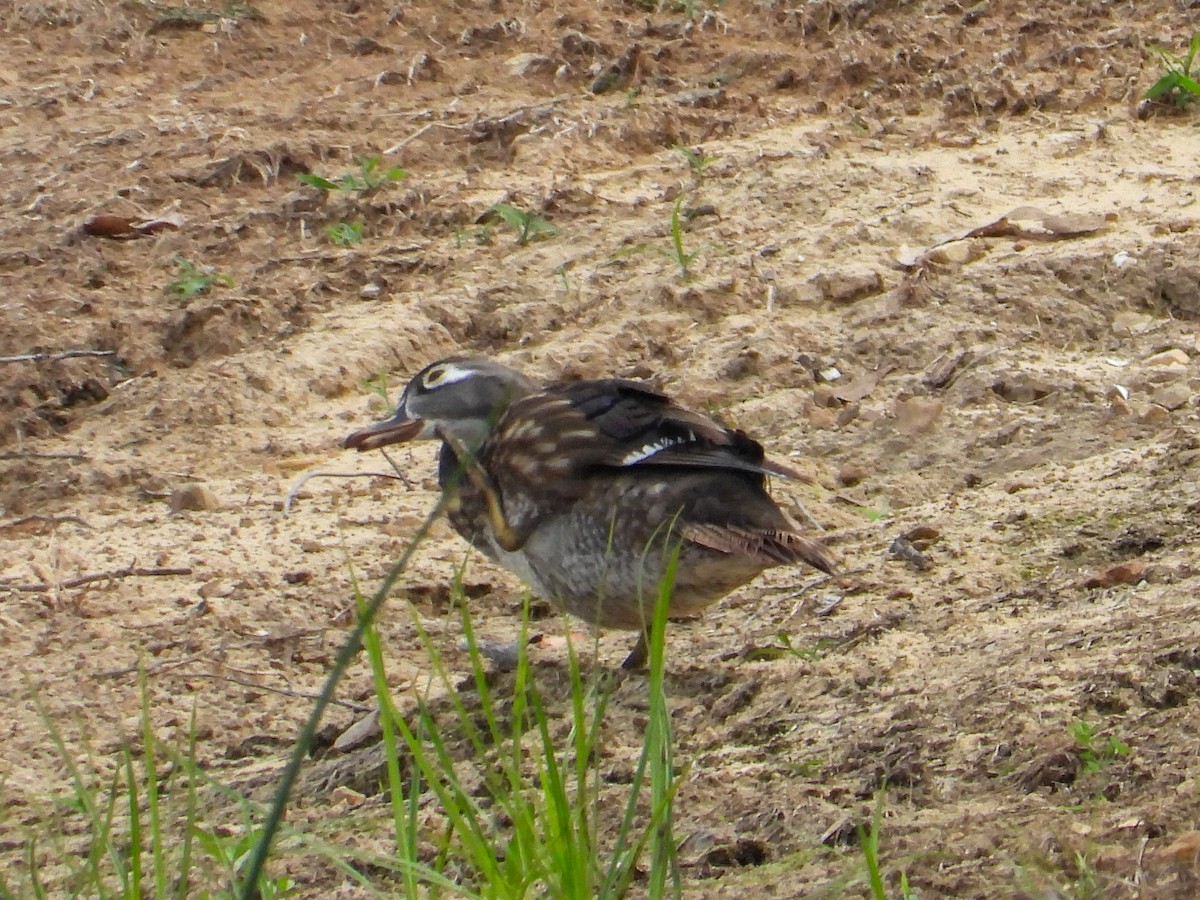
(420, 131)
(94, 577)
(55, 357)
(22, 454)
(48, 520)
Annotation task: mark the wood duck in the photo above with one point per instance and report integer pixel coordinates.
(585, 488)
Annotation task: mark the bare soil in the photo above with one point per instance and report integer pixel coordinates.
(1025, 398)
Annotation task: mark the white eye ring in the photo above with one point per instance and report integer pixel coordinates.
(446, 373)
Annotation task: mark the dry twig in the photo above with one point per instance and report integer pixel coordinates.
(24, 454)
(45, 520)
(80, 581)
(55, 357)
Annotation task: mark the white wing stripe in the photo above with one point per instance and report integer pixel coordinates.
(633, 457)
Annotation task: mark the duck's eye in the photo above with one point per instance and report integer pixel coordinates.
(434, 377)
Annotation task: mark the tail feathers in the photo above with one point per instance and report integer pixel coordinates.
(769, 547)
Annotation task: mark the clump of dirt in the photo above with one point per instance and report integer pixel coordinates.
(1017, 406)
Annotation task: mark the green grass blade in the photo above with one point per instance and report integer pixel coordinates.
(349, 649)
(133, 888)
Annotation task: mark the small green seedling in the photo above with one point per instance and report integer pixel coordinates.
(677, 253)
(783, 646)
(369, 178)
(1179, 82)
(345, 234)
(1096, 753)
(194, 280)
(528, 226)
(378, 386)
(868, 842)
(483, 235)
(696, 160)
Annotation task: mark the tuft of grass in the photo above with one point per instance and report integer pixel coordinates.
(193, 280)
(677, 252)
(528, 226)
(521, 812)
(138, 832)
(868, 842)
(537, 819)
(369, 178)
(1096, 753)
(696, 160)
(345, 234)
(1179, 82)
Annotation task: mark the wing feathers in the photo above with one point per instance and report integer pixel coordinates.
(767, 547)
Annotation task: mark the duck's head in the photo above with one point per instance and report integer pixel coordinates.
(461, 397)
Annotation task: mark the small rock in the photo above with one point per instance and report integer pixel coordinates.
(1172, 396)
(847, 287)
(193, 497)
(576, 43)
(955, 253)
(1153, 414)
(917, 414)
(1175, 357)
(850, 474)
(347, 797)
(706, 98)
(367, 729)
(1127, 323)
(923, 536)
(1023, 388)
(369, 291)
(527, 65)
(217, 588)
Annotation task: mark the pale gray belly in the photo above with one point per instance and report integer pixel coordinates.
(573, 563)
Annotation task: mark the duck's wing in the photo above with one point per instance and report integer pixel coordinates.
(549, 449)
(634, 425)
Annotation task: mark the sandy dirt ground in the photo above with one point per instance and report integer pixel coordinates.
(1016, 395)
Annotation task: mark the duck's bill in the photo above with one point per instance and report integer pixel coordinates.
(393, 431)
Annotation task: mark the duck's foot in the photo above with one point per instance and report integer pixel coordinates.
(637, 656)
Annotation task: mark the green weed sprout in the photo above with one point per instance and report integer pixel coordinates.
(529, 226)
(368, 179)
(194, 280)
(1178, 82)
(345, 234)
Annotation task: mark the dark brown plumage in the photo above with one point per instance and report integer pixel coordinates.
(585, 488)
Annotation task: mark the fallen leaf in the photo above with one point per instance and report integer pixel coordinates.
(110, 227)
(1123, 573)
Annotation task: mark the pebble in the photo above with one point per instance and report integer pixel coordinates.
(851, 474)
(193, 497)
(1172, 396)
(527, 65)
(1174, 357)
